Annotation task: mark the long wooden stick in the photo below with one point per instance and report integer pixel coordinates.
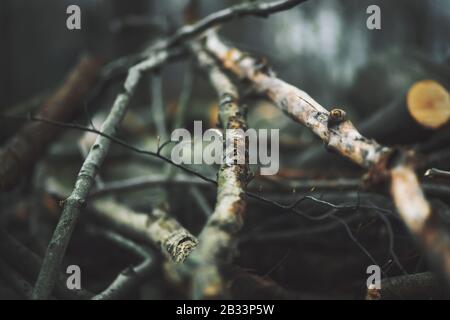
(217, 241)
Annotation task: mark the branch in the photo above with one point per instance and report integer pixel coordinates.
(29, 144)
(258, 9)
(413, 286)
(436, 173)
(73, 204)
(218, 237)
(129, 278)
(158, 228)
(340, 135)
(20, 285)
(29, 263)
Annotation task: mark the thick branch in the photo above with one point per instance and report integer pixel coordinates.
(218, 238)
(158, 228)
(30, 143)
(339, 134)
(258, 9)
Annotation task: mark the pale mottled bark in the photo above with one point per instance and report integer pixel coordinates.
(218, 237)
(412, 286)
(339, 134)
(157, 228)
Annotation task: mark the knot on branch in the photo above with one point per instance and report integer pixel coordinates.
(336, 116)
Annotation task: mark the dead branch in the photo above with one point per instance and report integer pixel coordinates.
(28, 263)
(410, 286)
(129, 278)
(30, 143)
(408, 120)
(436, 173)
(218, 237)
(158, 228)
(20, 285)
(258, 9)
(429, 104)
(88, 171)
(144, 182)
(340, 135)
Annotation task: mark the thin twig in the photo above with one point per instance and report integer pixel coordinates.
(436, 173)
(20, 285)
(26, 147)
(130, 277)
(29, 263)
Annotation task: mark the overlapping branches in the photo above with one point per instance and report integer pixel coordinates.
(339, 134)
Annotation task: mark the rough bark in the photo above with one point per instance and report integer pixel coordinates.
(340, 135)
(218, 237)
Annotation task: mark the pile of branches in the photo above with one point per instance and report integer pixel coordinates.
(260, 239)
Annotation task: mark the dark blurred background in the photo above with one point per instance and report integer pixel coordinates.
(321, 46)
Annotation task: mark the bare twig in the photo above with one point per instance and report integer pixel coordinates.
(29, 263)
(20, 285)
(413, 286)
(129, 278)
(339, 134)
(436, 173)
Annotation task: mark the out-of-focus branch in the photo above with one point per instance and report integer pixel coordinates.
(28, 263)
(20, 285)
(29, 144)
(412, 286)
(218, 237)
(436, 173)
(159, 227)
(129, 278)
(258, 9)
(143, 182)
(340, 135)
(73, 204)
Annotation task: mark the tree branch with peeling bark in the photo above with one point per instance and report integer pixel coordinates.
(340, 135)
(218, 237)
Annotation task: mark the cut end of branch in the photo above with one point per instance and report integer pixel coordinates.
(180, 245)
(429, 104)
